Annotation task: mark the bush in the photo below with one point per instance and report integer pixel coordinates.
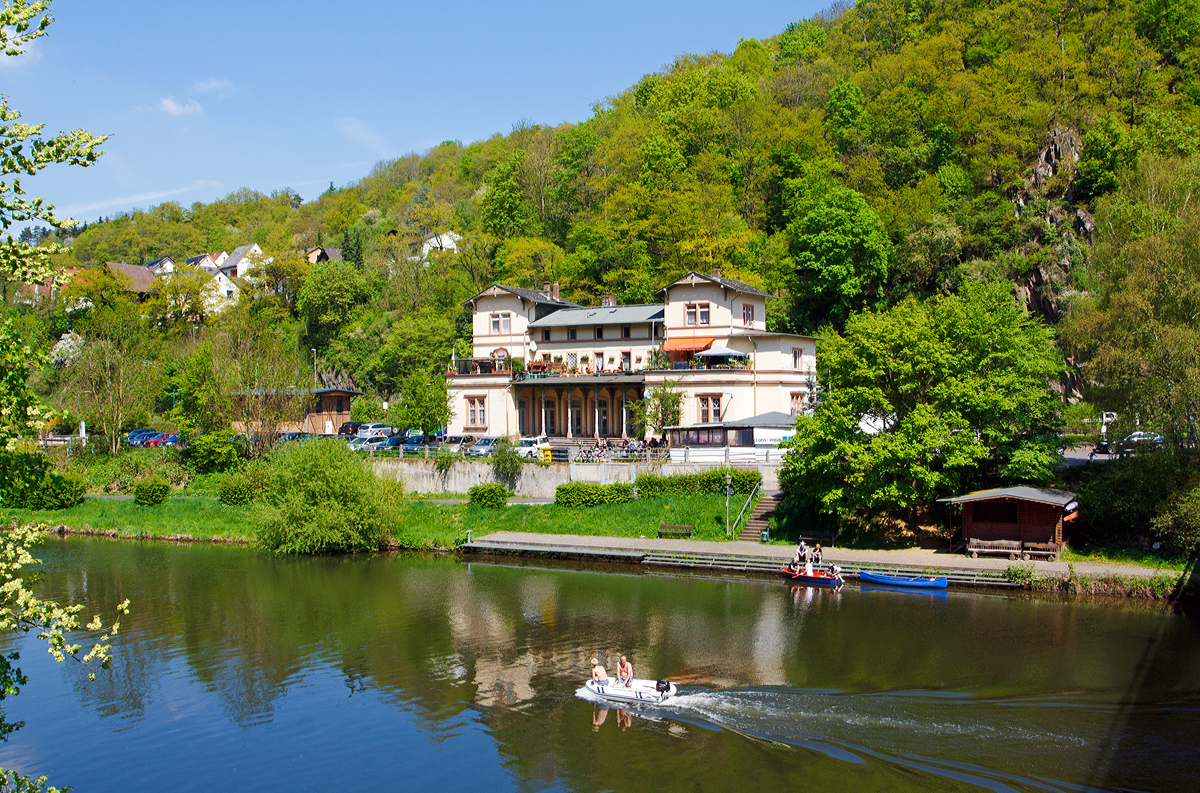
(654, 486)
(149, 492)
(506, 463)
(493, 495)
(321, 497)
(119, 474)
(1179, 522)
(21, 474)
(586, 494)
(58, 491)
(235, 490)
(215, 452)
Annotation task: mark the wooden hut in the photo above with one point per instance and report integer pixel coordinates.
(1016, 522)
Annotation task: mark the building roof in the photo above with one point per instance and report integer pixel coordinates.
(1042, 495)
(197, 261)
(728, 283)
(601, 315)
(142, 278)
(532, 295)
(161, 262)
(235, 258)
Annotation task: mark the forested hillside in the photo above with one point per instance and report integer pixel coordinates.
(870, 153)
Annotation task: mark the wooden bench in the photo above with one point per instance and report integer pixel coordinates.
(684, 532)
(1009, 548)
(1050, 550)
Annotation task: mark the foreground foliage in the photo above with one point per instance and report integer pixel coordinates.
(321, 497)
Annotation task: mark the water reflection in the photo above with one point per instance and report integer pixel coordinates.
(227, 651)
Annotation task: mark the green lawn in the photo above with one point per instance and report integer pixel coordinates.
(200, 518)
(1120, 555)
(421, 525)
(440, 524)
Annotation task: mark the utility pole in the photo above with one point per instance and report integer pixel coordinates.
(314, 352)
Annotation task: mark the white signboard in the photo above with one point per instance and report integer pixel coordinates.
(771, 436)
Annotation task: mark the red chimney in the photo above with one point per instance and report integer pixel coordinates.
(545, 287)
(608, 300)
(556, 290)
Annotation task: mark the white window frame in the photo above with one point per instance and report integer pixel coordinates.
(798, 359)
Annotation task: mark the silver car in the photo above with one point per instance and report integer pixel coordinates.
(482, 447)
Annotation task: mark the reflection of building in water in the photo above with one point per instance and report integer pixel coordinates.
(498, 683)
(766, 660)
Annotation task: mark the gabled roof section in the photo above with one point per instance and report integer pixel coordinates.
(1042, 495)
(198, 261)
(693, 278)
(532, 295)
(602, 315)
(239, 253)
(141, 279)
(158, 264)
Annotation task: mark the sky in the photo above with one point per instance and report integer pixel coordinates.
(201, 99)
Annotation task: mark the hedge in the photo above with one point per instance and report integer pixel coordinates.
(58, 491)
(493, 495)
(149, 492)
(586, 494)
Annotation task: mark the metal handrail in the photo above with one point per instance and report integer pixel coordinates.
(737, 523)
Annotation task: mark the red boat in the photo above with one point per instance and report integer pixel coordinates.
(818, 578)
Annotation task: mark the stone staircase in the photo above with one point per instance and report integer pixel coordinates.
(757, 522)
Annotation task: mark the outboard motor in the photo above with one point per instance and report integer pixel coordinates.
(662, 686)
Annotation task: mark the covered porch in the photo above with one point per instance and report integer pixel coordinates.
(579, 407)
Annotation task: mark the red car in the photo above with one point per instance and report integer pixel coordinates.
(163, 437)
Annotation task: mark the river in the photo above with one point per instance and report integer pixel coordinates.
(430, 673)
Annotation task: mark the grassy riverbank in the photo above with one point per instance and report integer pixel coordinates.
(195, 518)
(424, 524)
(421, 524)
(1166, 584)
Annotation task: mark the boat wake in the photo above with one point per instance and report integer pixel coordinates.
(986, 743)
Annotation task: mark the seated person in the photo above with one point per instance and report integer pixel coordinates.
(817, 554)
(599, 676)
(624, 672)
(795, 563)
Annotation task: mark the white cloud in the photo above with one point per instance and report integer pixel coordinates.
(169, 105)
(30, 56)
(135, 200)
(360, 133)
(218, 88)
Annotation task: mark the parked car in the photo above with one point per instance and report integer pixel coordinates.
(458, 443)
(1137, 442)
(482, 447)
(349, 428)
(290, 436)
(158, 439)
(376, 428)
(132, 435)
(531, 448)
(417, 443)
(141, 437)
(171, 440)
(372, 443)
(392, 445)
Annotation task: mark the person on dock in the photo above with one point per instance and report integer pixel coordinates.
(599, 676)
(624, 672)
(816, 554)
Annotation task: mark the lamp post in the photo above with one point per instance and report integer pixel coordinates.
(314, 352)
(728, 493)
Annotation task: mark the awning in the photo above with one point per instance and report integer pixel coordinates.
(687, 345)
(713, 352)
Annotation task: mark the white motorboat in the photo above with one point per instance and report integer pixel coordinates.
(652, 692)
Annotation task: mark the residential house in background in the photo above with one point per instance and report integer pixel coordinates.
(224, 292)
(438, 242)
(241, 261)
(163, 266)
(586, 367)
(133, 277)
(315, 255)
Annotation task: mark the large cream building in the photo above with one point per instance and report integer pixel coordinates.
(585, 367)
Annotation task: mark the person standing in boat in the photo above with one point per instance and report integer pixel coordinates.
(599, 676)
(624, 672)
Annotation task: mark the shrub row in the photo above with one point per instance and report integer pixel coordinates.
(585, 494)
(27, 481)
(493, 495)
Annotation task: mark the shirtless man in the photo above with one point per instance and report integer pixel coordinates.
(599, 676)
(624, 672)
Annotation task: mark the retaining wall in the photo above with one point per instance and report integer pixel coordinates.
(538, 481)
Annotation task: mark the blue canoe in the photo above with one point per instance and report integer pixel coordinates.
(907, 583)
